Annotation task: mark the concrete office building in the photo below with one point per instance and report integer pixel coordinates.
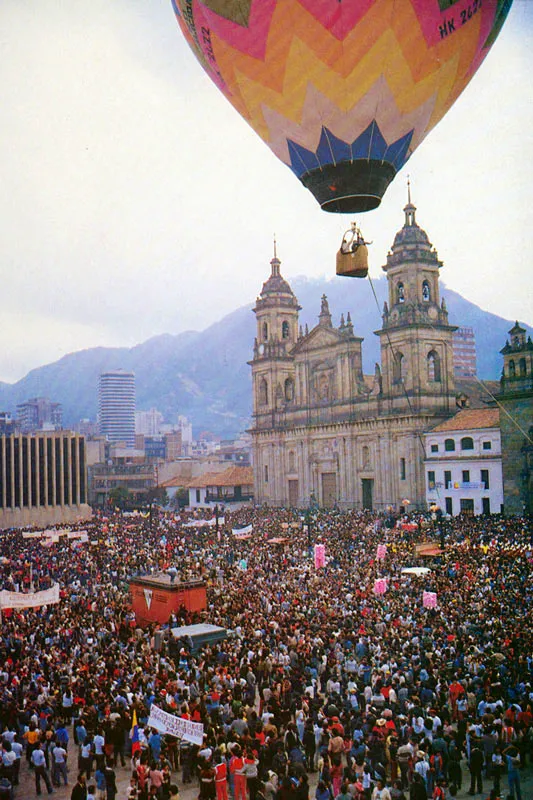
(43, 479)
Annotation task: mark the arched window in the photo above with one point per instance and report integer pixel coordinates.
(426, 294)
(263, 392)
(433, 361)
(285, 330)
(400, 295)
(512, 369)
(522, 367)
(265, 332)
(398, 368)
(449, 445)
(289, 390)
(365, 453)
(292, 461)
(467, 443)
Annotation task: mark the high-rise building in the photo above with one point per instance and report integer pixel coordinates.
(39, 413)
(148, 422)
(116, 406)
(464, 353)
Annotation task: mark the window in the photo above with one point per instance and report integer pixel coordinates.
(265, 331)
(522, 367)
(449, 445)
(448, 504)
(292, 461)
(466, 476)
(431, 479)
(266, 473)
(467, 506)
(284, 330)
(366, 456)
(447, 478)
(467, 443)
(487, 445)
(289, 390)
(263, 392)
(398, 368)
(434, 448)
(485, 478)
(198, 498)
(426, 294)
(512, 369)
(400, 295)
(485, 505)
(402, 469)
(433, 365)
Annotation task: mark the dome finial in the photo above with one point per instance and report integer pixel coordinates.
(275, 247)
(409, 209)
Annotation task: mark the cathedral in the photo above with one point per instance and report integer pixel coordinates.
(325, 433)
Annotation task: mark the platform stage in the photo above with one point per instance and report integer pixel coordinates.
(155, 597)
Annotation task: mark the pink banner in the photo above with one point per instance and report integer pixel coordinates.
(380, 586)
(429, 600)
(320, 555)
(381, 551)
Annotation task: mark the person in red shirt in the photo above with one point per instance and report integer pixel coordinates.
(236, 768)
(221, 779)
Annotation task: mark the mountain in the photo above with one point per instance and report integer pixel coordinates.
(204, 375)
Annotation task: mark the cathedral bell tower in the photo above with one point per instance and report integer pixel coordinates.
(416, 338)
(276, 311)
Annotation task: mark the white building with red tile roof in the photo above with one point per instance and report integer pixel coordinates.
(463, 463)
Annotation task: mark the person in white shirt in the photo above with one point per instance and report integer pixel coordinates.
(59, 765)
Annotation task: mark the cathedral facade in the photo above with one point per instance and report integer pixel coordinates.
(323, 431)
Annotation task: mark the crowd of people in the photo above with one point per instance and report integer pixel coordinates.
(323, 689)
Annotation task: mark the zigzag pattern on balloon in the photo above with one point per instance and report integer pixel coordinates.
(319, 112)
(344, 72)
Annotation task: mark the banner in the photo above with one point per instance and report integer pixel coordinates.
(31, 600)
(381, 552)
(429, 600)
(320, 556)
(32, 534)
(242, 531)
(175, 726)
(380, 586)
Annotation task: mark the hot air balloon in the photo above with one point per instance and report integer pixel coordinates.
(342, 91)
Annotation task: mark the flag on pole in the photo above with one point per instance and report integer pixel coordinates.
(134, 735)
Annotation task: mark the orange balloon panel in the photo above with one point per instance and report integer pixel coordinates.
(342, 91)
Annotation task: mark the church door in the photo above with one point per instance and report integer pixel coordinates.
(293, 493)
(367, 486)
(329, 489)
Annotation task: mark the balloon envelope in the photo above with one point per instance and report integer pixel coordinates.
(342, 91)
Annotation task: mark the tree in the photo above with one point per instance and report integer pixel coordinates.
(119, 496)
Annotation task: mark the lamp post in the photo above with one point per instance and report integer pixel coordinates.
(308, 520)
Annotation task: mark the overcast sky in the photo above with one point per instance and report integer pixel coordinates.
(135, 201)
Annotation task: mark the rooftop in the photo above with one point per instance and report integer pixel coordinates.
(471, 418)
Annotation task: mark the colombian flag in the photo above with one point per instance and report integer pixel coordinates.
(134, 735)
